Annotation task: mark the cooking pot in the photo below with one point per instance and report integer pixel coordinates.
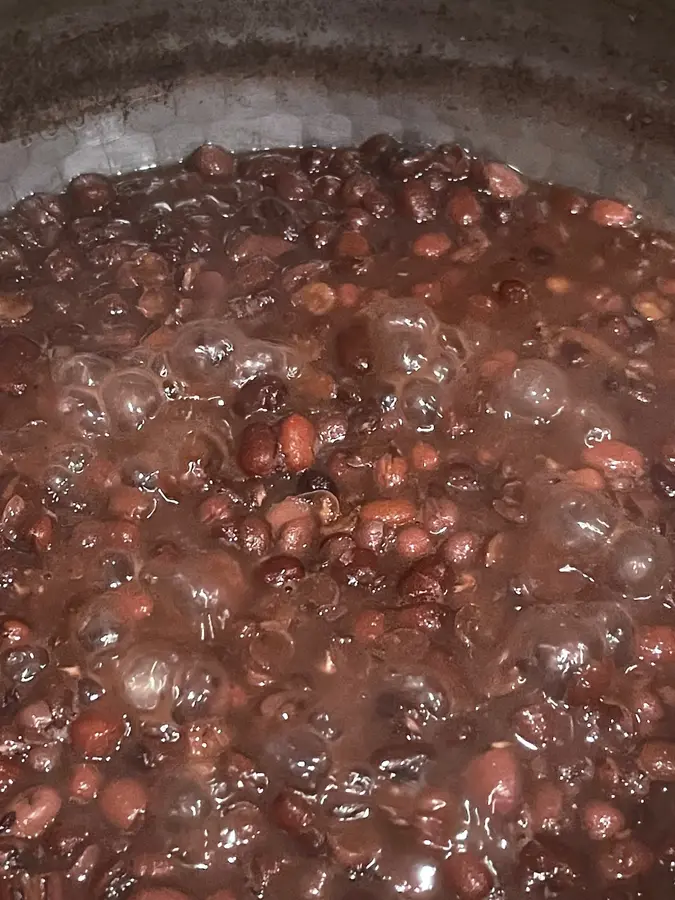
(577, 92)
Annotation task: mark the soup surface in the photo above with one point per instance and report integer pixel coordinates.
(337, 496)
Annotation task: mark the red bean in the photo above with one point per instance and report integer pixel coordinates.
(413, 542)
(297, 536)
(212, 161)
(317, 297)
(34, 811)
(351, 244)
(391, 512)
(97, 733)
(461, 548)
(657, 759)
(89, 194)
(615, 458)
(356, 843)
(464, 208)
(257, 450)
(424, 457)
(10, 772)
(281, 570)
(468, 876)
(254, 535)
(432, 245)
(493, 780)
(418, 201)
(123, 802)
(625, 859)
(85, 783)
(504, 182)
(602, 821)
(611, 212)
(655, 644)
(548, 808)
(440, 514)
(296, 442)
(369, 626)
(390, 471)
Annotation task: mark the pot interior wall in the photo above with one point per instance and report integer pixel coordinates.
(582, 98)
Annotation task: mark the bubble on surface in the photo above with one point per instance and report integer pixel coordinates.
(131, 398)
(554, 639)
(615, 627)
(205, 588)
(99, 626)
(73, 457)
(200, 682)
(63, 490)
(113, 568)
(536, 390)
(421, 404)
(148, 675)
(212, 356)
(639, 562)
(417, 695)
(183, 803)
(81, 370)
(409, 342)
(597, 423)
(302, 758)
(202, 352)
(258, 357)
(83, 413)
(576, 521)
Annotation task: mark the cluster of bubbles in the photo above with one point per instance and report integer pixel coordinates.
(65, 477)
(163, 682)
(539, 391)
(556, 639)
(409, 341)
(96, 398)
(205, 589)
(417, 354)
(210, 357)
(160, 679)
(584, 529)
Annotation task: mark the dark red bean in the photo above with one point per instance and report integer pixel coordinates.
(257, 450)
(512, 292)
(625, 859)
(212, 161)
(254, 535)
(280, 571)
(89, 194)
(354, 350)
(97, 732)
(468, 876)
(417, 200)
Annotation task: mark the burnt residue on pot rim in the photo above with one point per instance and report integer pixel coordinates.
(610, 61)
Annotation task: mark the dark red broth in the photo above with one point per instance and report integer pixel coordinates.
(337, 493)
